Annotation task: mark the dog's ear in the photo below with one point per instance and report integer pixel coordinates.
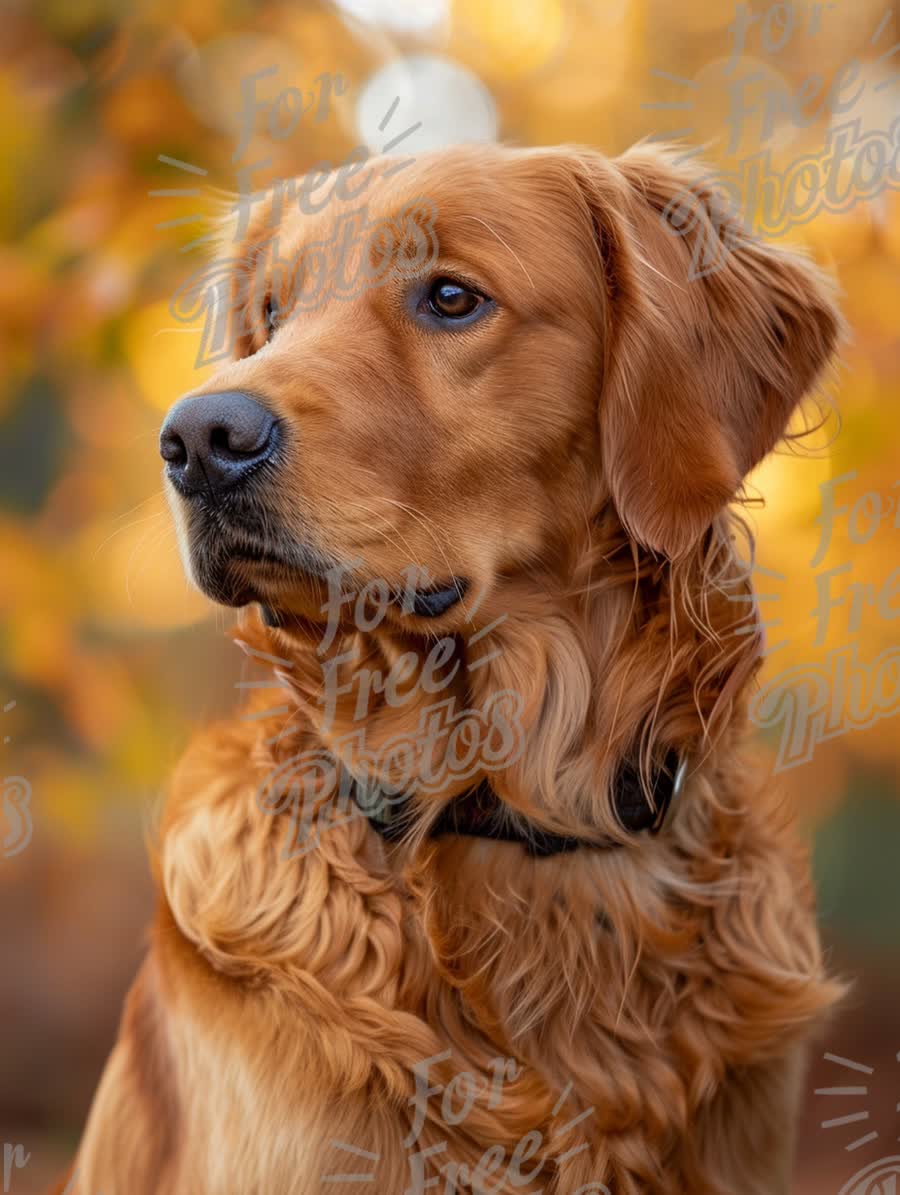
(712, 339)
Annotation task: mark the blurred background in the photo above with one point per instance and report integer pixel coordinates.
(108, 660)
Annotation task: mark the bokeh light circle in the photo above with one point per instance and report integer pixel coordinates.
(446, 101)
(399, 16)
(216, 78)
(509, 40)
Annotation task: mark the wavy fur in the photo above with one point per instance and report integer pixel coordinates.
(666, 990)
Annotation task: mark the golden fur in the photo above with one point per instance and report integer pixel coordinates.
(573, 456)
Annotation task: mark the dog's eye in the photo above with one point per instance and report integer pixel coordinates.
(270, 315)
(451, 300)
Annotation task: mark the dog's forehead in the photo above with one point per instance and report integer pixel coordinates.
(472, 197)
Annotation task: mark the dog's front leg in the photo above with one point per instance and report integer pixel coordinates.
(746, 1136)
(130, 1143)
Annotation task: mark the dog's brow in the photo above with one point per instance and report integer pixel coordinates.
(508, 248)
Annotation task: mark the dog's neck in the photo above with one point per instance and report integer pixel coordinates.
(517, 715)
(479, 812)
(548, 697)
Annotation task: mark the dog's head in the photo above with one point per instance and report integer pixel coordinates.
(451, 367)
(497, 372)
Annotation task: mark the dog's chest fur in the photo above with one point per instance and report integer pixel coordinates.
(303, 994)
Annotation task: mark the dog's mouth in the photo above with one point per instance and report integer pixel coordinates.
(237, 566)
(236, 555)
(432, 601)
(238, 573)
(429, 603)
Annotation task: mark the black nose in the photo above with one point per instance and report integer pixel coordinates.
(216, 441)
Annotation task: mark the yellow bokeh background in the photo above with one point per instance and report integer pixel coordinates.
(110, 656)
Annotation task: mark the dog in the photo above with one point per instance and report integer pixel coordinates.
(495, 898)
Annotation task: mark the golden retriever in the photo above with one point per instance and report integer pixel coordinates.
(488, 897)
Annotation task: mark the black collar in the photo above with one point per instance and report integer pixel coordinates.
(479, 813)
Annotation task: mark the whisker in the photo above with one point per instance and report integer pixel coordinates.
(399, 542)
(156, 514)
(147, 549)
(428, 524)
